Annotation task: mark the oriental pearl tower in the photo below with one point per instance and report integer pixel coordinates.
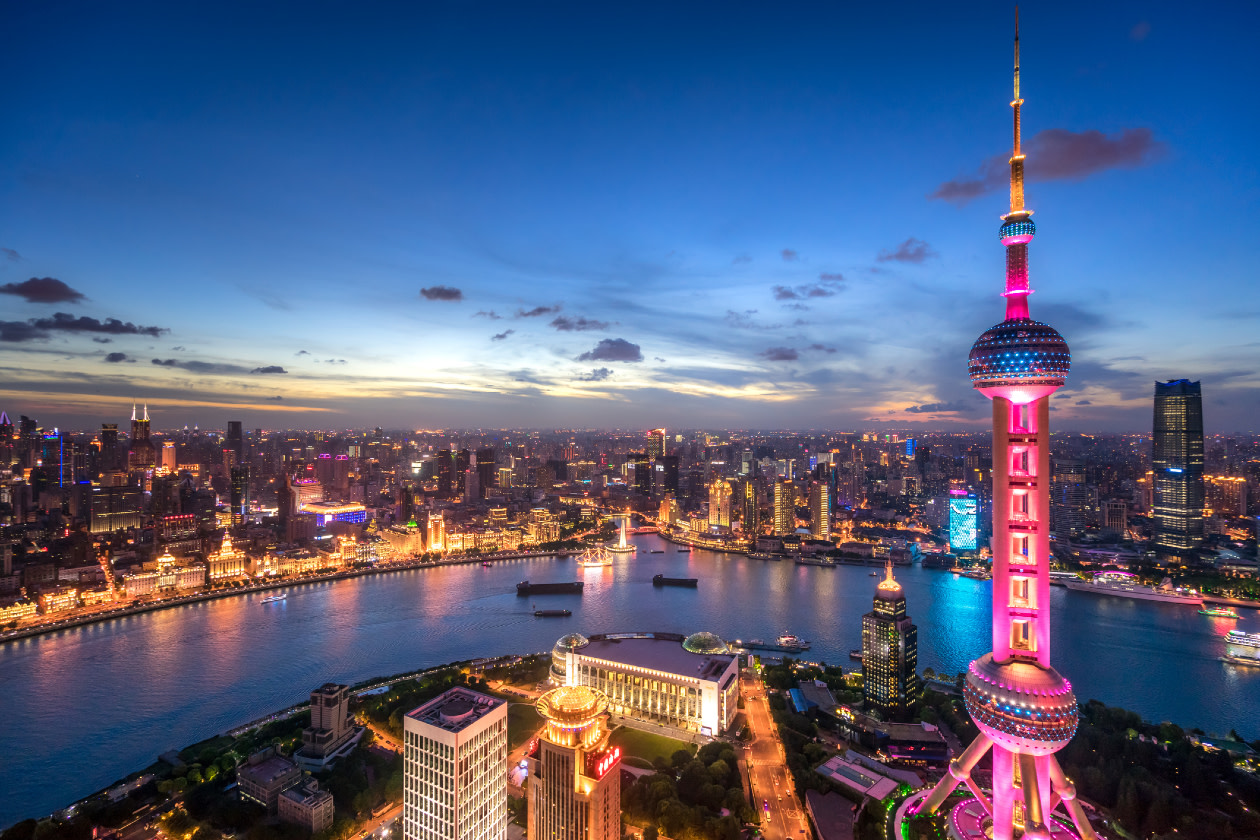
(1025, 710)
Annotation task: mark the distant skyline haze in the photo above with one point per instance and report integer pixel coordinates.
(418, 216)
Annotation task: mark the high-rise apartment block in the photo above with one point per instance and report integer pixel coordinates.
(656, 444)
(455, 768)
(1069, 499)
(720, 504)
(574, 776)
(820, 510)
(1177, 458)
(784, 507)
(890, 653)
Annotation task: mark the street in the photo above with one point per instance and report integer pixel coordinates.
(767, 769)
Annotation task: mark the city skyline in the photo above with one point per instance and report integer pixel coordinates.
(454, 221)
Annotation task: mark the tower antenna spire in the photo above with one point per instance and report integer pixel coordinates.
(1017, 155)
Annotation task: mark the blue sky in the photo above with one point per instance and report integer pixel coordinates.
(713, 215)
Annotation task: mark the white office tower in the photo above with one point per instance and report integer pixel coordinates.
(455, 766)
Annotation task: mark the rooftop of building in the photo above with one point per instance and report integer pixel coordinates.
(832, 815)
(658, 652)
(305, 792)
(331, 690)
(456, 709)
(267, 770)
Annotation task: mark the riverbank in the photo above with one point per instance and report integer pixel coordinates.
(266, 586)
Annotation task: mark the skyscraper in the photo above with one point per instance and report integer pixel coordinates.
(890, 653)
(1177, 458)
(240, 495)
(1025, 710)
(962, 521)
(6, 440)
(720, 504)
(454, 760)
(656, 444)
(142, 455)
(235, 441)
(750, 519)
(784, 507)
(574, 776)
(820, 510)
(1069, 499)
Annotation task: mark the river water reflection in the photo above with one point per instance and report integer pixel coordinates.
(86, 706)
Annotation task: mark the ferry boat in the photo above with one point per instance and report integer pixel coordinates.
(1126, 585)
(786, 643)
(595, 557)
(274, 598)
(1061, 578)
(657, 551)
(1242, 648)
(1218, 612)
(552, 613)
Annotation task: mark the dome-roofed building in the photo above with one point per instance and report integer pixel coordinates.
(688, 683)
(705, 642)
(560, 655)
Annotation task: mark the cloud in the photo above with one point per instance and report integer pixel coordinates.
(831, 278)
(276, 398)
(488, 313)
(801, 292)
(298, 353)
(502, 335)
(42, 290)
(940, 407)
(332, 361)
(179, 348)
(780, 354)
(613, 350)
(442, 293)
(597, 375)
(219, 368)
(64, 322)
(566, 324)
(1140, 30)
(11, 255)
(911, 251)
(114, 358)
(1083, 402)
(537, 311)
(822, 348)
(1056, 154)
(103, 340)
(741, 259)
(789, 255)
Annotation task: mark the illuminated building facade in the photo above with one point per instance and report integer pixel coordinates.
(326, 512)
(963, 521)
(1177, 458)
(656, 444)
(574, 775)
(890, 653)
(720, 504)
(1025, 710)
(688, 683)
(784, 507)
(455, 768)
(226, 563)
(142, 455)
(820, 510)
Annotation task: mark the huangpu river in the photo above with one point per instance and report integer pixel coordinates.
(86, 706)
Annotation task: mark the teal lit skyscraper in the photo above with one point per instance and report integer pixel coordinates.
(963, 516)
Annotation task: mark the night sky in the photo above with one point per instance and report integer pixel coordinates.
(766, 215)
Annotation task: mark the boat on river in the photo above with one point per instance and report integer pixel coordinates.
(661, 580)
(1242, 648)
(1219, 612)
(786, 643)
(274, 598)
(1127, 585)
(559, 588)
(552, 613)
(595, 557)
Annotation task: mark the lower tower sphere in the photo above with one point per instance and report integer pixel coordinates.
(1022, 706)
(1019, 357)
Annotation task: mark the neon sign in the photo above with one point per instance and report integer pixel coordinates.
(598, 765)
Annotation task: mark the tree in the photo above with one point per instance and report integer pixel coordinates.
(650, 833)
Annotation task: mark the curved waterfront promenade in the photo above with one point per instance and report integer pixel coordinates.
(87, 705)
(265, 585)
